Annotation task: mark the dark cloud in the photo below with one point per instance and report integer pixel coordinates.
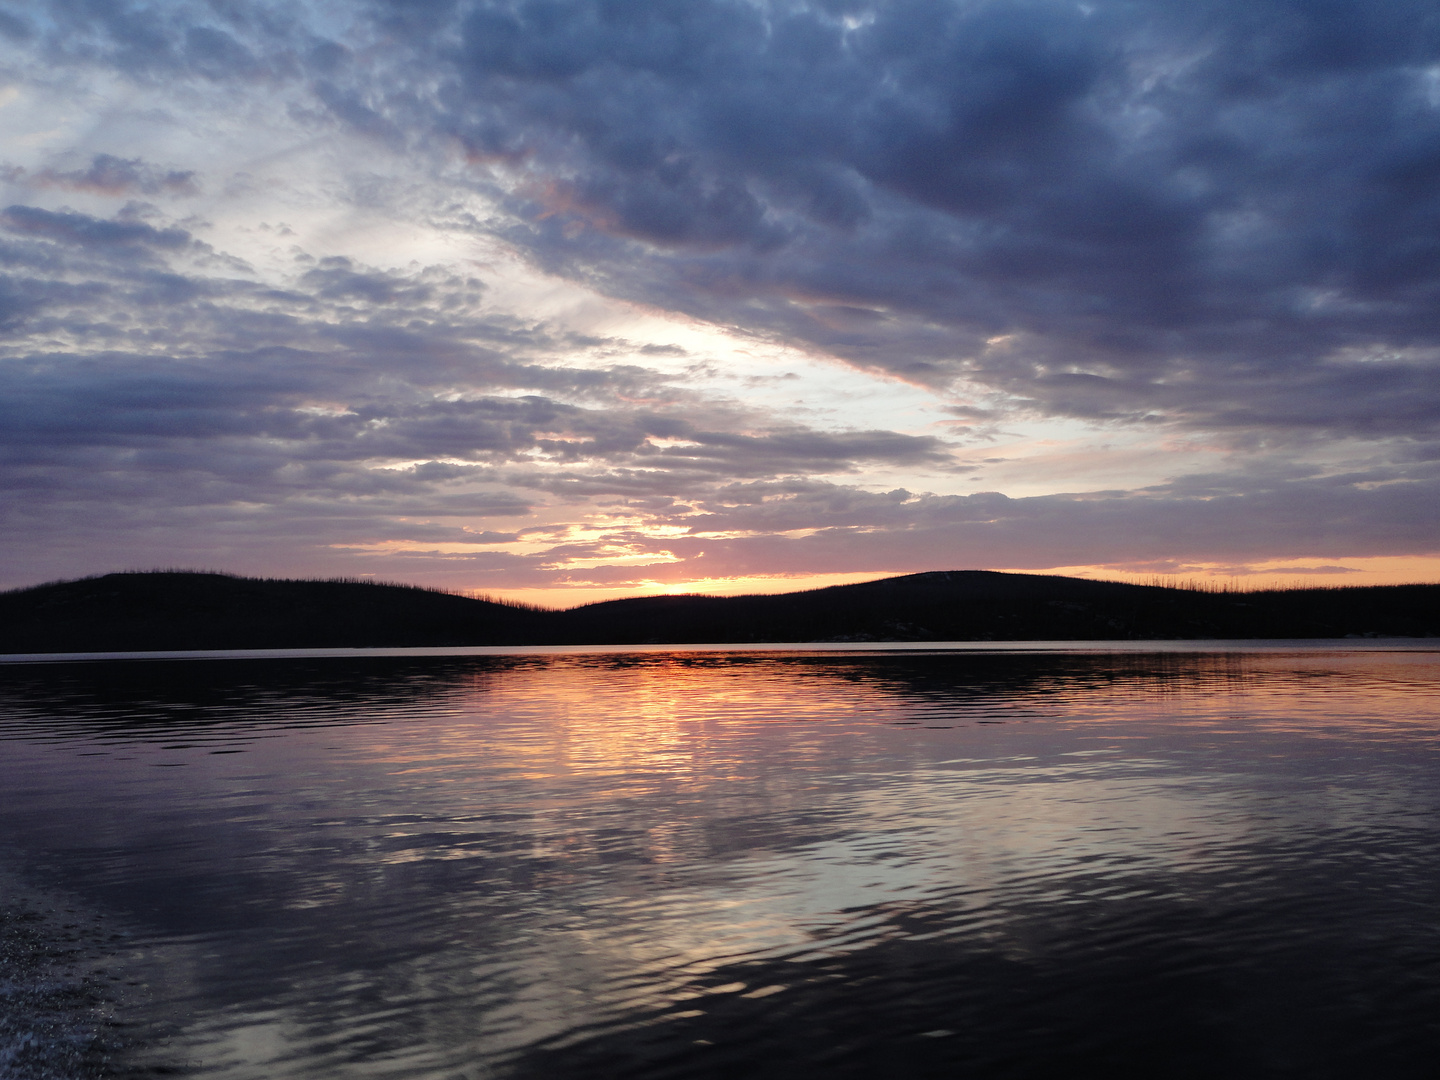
(1168, 210)
(1199, 204)
(217, 55)
(15, 28)
(82, 230)
(213, 42)
(109, 175)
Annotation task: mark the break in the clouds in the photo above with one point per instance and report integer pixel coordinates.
(597, 295)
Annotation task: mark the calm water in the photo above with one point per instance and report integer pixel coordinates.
(692, 864)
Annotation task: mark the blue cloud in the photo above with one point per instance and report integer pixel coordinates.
(83, 230)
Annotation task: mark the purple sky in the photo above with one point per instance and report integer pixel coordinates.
(562, 300)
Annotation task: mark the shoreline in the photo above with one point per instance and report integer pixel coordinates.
(63, 985)
(1377, 643)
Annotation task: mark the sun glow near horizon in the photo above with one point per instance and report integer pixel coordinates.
(1291, 574)
(581, 593)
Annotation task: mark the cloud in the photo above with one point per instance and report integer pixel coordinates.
(1152, 212)
(107, 174)
(815, 527)
(15, 28)
(1208, 222)
(83, 230)
(1168, 211)
(347, 408)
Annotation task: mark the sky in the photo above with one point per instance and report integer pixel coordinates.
(562, 300)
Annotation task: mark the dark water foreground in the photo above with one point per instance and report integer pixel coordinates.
(743, 865)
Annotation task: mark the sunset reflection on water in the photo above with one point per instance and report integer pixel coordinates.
(694, 863)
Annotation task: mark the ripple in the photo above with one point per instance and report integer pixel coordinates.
(702, 864)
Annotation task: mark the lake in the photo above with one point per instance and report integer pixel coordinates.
(1164, 860)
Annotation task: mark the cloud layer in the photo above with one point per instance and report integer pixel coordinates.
(1207, 231)
(1187, 210)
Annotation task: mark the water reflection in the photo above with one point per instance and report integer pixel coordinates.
(707, 864)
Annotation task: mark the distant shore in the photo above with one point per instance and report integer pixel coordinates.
(176, 611)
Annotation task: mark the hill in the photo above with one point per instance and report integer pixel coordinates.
(978, 605)
(181, 610)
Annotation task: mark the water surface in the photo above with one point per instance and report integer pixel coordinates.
(690, 863)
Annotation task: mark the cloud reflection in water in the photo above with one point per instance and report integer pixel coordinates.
(693, 864)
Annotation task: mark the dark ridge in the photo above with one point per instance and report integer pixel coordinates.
(170, 610)
(980, 605)
(190, 610)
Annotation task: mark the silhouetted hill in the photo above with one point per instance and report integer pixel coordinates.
(977, 605)
(181, 610)
(172, 610)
